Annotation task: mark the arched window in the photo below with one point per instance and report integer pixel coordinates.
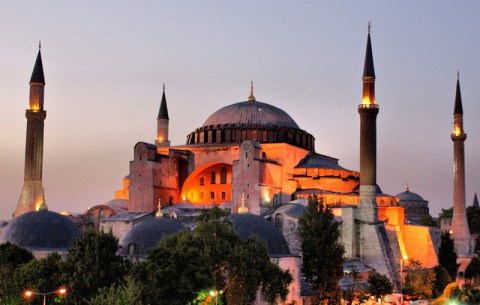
(224, 195)
(212, 177)
(101, 214)
(223, 175)
(91, 218)
(244, 135)
(202, 180)
(279, 220)
(222, 135)
(202, 195)
(234, 135)
(131, 249)
(254, 135)
(264, 136)
(212, 195)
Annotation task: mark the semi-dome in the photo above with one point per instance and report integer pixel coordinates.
(247, 225)
(251, 114)
(41, 231)
(254, 121)
(147, 234)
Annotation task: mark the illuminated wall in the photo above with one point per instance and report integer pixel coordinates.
(211, 183)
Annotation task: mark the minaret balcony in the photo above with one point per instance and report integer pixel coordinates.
(368, 106)
(458, 137)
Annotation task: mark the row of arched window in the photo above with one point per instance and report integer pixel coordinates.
(213, 177)
(223, 195)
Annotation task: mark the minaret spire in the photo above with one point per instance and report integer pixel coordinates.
(251, 98)
(32, 196)
(162, 142)
(459, 228)
(368, 111)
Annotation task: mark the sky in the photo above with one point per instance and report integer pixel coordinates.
(105, 63)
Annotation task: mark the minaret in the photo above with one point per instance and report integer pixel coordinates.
(459, 228)
(32, 196)
(162, 141)
(368, 110)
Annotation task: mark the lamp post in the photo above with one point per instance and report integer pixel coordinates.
(214, 293)
(29, 293)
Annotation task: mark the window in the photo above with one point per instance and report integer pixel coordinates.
(264, 136)
(279, 220)
(222, 135)
(244, 135)
(254, 135)
(234, 135)
(202, 195)
(91, 218)
(131, 249)
(101, 214)
(223, 175)
(224, 195)
(202, 180)
(212, 177)
(212, 195)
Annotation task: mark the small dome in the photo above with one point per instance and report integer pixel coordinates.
(409, 196)
(251, 114)
(147, 234)
(41, 231)
(247, 225)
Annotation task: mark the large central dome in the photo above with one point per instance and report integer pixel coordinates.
(251, 114)
(254, 121)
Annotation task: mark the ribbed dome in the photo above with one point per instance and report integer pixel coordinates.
(247, 225)
(41, 231)
(251, 114)
(147, 234)
(409, 196)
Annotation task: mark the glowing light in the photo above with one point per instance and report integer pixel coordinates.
(457, 131)
(34, 108)
(450, 232)
(267, 197)
(28, 294)
(366, 100)
(184, 198)
(405, 258)
(160, 139)
(62, 291)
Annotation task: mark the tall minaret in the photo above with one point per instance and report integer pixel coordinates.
(459, 228)
(32, 196)
(368, 110)
(162, 141)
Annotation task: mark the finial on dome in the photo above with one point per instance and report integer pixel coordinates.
(369, 27)
(406, 188)
(251, 98)
(159, 213)
(458, 75)
(243, 209)
(39, 44)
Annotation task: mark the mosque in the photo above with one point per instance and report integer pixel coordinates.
(252, 159)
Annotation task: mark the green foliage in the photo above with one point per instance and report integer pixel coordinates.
(174, 272)
(210, 257)
(92, 264)
(473, 217)
(12, 258)
(127, 293)
(473, 269)
(477, 245)
(419, 283)
(428, 221)
(442, 279)
(322, 250)
(446, 213)
(447, 257)
(379, 285)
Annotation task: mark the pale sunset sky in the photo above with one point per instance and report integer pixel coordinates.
(105, 62)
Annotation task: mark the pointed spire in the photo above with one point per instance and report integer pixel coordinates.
(475, 201)
(251, 98)
(368, 69)
(37, 75)
(458, 98)
(163, 113)
(243, 209)
(406, 188)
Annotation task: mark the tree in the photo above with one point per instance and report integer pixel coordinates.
(477, 245)
(473, 217)
(127, 293)
(379, 285)
(92, 264)
(473, 268)
(442, 279)
(12, 258)
(322, 251)
(428, 221)
(419, 282)
(41, 275)
(447, 257)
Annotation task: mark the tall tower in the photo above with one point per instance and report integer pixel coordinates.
(368, 110)
(162, 141)
(459, 228)
(32, 196)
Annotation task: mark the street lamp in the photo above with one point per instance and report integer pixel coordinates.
(215, 293)
(29, 293)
